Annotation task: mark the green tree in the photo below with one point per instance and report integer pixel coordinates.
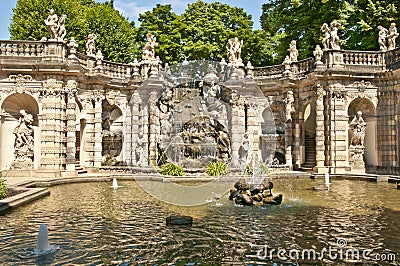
(207, 28)
(166, 26)
(115, 34)
(202, 32)
(301, 20)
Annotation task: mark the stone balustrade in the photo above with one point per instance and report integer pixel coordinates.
(365, 58)
(269, 71)
(392, 59)
(377, 60)
(304, 66)
(116, 70)
(21, 48)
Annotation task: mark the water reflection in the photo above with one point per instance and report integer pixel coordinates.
(94, 224)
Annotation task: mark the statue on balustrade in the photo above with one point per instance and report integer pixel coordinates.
(55, 26)
(334, 35)
(90, 44)
(327, 36)
(383, 32)
(331, 37)
(148, 49)
(318, 53)
(293, 52)
(234, 47)
(392, 35)
(358, 126)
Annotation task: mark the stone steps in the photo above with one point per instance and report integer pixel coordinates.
(79, 169)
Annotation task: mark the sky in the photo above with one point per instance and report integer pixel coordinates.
(132, 9)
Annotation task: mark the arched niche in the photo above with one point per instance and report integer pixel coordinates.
(10, 120)
(308, 133)
(112, 125)
(369, 115)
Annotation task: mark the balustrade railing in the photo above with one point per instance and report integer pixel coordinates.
(392, 58)
(359, 59)
(269, 71)
(83, 59)
(21, 48)
(115, 70)
(305, 65)
(365, 58)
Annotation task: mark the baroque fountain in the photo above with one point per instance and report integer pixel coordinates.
(201, 113)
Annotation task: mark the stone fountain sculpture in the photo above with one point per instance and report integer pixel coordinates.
(357, 127)
(24, 142)
(56, 26)
(255, 194)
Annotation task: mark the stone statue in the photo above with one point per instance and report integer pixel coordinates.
(391, 37)
(55, 26)
(90, 44)
(293, 52)
(244, 149)
(61, 28)
(334, 35)
(318, 53)
(24, 142)
(357, 125)
(52, 24)
(234, 47)
(327, 36)
(383, 32)
(148, 49)
(23, 132)
(287, 63)
(141, 150)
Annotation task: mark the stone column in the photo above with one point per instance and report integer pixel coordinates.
(338, 129)
(153, 116)
(254, 129)
(238, 126)
(320, 131)
(53, 131)
(98, 140)
(71, 89)
(288, 128)
(89, 132)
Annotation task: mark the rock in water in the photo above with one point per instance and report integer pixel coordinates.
(179, 220)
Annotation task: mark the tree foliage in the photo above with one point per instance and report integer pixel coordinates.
(202, 32)
(115, 33)
(301, 20)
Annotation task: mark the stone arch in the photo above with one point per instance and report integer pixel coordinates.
(308, 133)
(10, 119)
(368, 109)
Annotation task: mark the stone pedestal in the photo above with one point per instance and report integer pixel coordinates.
(356, 160)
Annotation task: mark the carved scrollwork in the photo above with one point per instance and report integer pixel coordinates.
(51, 87)
(71, 88)
(337, 91)
(20, 82)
